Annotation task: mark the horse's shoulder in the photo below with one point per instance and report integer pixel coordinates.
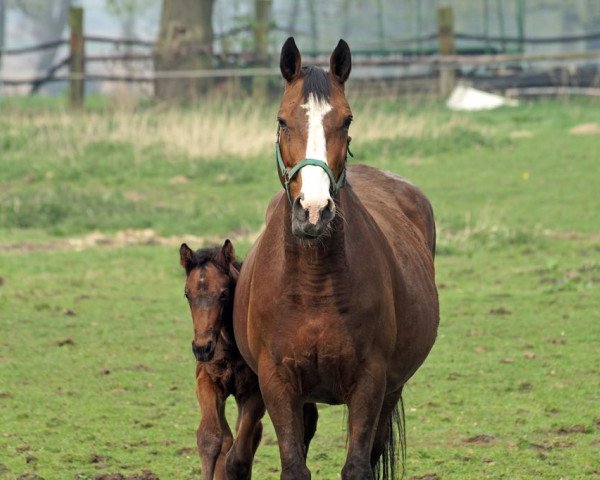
(273, 205)
(390, 198)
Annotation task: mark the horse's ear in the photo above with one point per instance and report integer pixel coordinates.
(185, 255)
(340, 62)
(290, 61)
(227, 253)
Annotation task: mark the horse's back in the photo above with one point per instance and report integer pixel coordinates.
(388, 196)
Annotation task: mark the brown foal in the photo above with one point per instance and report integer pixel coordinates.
(337, 301)
(220, 370)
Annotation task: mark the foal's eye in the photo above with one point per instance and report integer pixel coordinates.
(347, 122)
(186, 295)
(282, 123)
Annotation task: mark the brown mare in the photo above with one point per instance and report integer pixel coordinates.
(220, 370)
(336, 302)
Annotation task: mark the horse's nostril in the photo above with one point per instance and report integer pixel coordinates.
(299, 211)
(327, 212)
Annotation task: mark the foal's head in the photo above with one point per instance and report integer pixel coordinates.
(209, 288)
(314, 117)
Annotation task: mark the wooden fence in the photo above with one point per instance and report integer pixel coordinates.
(445, 64)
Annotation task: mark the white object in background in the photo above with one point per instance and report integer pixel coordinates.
(471, 99)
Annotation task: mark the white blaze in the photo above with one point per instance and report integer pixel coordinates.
(315, 182)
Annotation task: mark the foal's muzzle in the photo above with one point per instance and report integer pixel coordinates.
(310, 219)
(204, 353)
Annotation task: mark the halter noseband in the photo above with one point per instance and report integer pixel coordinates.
(288, 175)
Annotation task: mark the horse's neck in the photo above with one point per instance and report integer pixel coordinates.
(310, 264)
(227, 337)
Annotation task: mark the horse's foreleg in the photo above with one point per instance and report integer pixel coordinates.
(311, 416)
(209, 435)
(249, 432)
(286, 411)
(364, 406)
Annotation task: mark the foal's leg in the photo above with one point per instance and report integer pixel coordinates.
(210, 434)
(249, 431)
(364, 406)
(286, 411)
(227, 442)
(311, 416)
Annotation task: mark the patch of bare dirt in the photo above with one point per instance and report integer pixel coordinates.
(591, 128)
(144, 475)
(65, 341)
(572, 429)
(427, 476)
(500, 311)
(594, 237)
(521, 134)
(185, 451)
(479, 439)
(124, 238)
(179, 180)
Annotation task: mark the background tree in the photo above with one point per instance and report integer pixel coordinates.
(184, 43)
(260, 30)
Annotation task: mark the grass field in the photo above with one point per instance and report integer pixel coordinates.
(96, 374)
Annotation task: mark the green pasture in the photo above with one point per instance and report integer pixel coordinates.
(96, 372)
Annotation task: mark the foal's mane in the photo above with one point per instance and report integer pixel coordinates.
(317, 82)
(203, 256)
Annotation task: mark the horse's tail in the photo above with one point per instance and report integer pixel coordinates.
(386, 467)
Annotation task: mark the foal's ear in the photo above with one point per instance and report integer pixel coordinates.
(290, 60)
(185, 255)
(340, 62)
(234, 273)
(227, 253)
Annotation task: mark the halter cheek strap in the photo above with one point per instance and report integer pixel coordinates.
(288, 175)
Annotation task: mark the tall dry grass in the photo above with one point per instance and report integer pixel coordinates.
(240, 128)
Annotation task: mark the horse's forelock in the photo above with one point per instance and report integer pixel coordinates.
(316, 82)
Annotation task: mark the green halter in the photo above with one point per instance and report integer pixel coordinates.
(288, 175)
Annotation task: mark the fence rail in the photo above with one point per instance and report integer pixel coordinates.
(403, 41)
(445, 64)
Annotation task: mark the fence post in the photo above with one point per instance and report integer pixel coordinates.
(262, 20)
(2, 23)
(77, 58)
(445, 18)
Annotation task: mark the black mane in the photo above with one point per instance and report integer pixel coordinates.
(316, 82)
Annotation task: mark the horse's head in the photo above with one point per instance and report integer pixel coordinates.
(209, 288)
(314, 117)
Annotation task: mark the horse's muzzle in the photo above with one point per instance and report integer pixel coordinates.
(310, 219)
(204, 353)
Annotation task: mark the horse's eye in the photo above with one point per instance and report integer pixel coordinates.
(282, 123)
(224, 295)
(186, 295)
(347, 122)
